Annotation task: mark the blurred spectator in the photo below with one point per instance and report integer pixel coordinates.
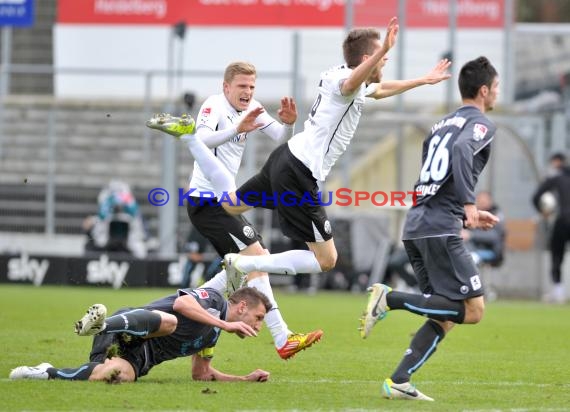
(202, 263)
(556, 164)
(486, 246)
(558, 184)
(399, 265)
(118, 226)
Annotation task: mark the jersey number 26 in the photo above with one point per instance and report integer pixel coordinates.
(437, 160)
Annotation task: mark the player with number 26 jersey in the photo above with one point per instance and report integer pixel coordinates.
(454, 154)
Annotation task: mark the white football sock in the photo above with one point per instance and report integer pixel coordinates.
(218, 282)
(286, 263)
(213, 169)
(273, 319)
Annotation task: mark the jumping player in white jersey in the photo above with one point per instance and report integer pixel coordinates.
(293, 169)
(223, 124)
(455, 153)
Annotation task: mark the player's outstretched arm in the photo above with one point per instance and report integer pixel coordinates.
(389, 88)
(282, 130)
(187, 306)
(202, 370)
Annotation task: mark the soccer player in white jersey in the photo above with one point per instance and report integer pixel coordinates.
(223, 124)
(294, 168)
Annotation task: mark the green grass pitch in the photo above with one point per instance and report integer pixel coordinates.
(517, 359)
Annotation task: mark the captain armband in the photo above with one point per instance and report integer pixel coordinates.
(206, 353)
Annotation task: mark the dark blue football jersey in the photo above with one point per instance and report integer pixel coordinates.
(454, 155)
(189, 337)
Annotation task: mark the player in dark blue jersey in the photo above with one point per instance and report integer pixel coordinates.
(454, 155)
(129, 343)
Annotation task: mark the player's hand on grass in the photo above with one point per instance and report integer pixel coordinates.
(257, 375)
(248, 123)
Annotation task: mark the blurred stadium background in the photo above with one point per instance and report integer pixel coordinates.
(78, 80)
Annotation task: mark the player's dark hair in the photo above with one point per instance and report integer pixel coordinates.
(558, 156)
(251, 296)
(357, 43)
(474, 75)
(236, 68)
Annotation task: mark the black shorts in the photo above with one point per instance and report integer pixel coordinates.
(133, 349)
(227, 233)
(444, 267)
(286, 184)
(139, 354)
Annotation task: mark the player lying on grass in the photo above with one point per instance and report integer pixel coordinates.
(129, 343)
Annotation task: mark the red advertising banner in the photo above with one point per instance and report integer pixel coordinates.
(431, 13)
(286, 13)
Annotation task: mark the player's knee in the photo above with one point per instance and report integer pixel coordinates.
(168, 323)
(114, 370)
(328, 262)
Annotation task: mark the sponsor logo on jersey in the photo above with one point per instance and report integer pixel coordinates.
(240, 138)
(204, 115)
(248, 232)
(202, 294)
(464, 290)
(479, 131)
(328, 228)
(475, 282)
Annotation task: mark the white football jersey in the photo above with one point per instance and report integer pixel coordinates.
(216, 113)
(331, 124)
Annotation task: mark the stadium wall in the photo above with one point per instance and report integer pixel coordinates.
(524, 275)
(146, 48)
(111, 270)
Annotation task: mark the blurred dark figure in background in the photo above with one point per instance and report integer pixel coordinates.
(556, 164)
(202, 263)
(399, 264)
(553, 196)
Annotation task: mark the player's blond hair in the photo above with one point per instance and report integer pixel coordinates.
(236, 68)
